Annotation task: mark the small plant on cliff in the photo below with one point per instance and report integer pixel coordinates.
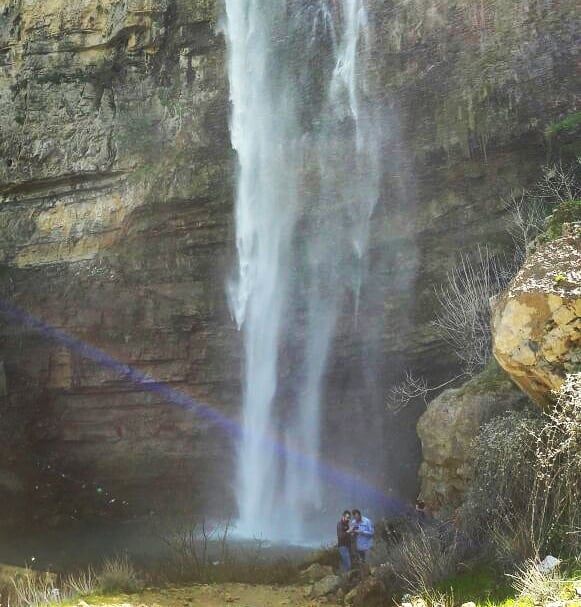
(565, 212)
(560, 183)
(526, 221)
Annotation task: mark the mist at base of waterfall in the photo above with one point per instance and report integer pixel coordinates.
(82, 546)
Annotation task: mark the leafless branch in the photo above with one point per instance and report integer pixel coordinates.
(412, 388)
(525, 222)
(560, 183)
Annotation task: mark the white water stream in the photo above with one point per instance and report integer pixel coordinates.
(277, 147)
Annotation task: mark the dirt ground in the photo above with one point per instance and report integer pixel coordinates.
(220, 595)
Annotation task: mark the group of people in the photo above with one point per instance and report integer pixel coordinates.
(354, 538)
(355, 534)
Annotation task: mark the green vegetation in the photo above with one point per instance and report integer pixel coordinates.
(567, 125)
(483, 585)
(487, 587)
(566, 212)
(490, 379)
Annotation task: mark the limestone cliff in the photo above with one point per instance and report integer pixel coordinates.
(116, 188)
(537, 322)
(115, 212)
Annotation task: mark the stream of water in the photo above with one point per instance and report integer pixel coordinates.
(308, 156)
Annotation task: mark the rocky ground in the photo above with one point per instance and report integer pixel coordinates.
(210, 595)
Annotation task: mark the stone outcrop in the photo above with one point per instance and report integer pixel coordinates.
(316, 572)
(116, 190)
(448, 427)
(371, 592)
(325, 586)
(537, 321)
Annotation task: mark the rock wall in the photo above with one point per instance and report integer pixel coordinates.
(116, 188)
(115, 222)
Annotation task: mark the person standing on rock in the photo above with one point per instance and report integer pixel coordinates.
(362, 528)
(344, 541)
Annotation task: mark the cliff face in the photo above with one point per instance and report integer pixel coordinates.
(115, 215)
(116, 190)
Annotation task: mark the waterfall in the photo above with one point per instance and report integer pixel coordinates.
(307, 155)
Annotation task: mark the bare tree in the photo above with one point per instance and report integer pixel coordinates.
(525, 222)
(464, 317)
(560, 183)
(408, 390)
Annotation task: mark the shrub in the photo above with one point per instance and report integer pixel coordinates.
(526, 221)
(118, 575)
(419, 557)
(525, 494)
(31, 589)
(503, 478)
(557, 488)
(81, 583)
(531, 582)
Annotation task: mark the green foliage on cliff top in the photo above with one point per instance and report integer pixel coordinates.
(567, 125)
(491, 379)
(566, 212)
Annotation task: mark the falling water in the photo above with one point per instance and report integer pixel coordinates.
(299, 117)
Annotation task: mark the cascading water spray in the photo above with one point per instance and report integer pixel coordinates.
(274, 132)
(263, 132)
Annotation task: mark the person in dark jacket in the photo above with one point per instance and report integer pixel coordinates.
(344, 541)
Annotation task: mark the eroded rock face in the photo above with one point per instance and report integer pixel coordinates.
(115, 223)
(537, 321)
(448, 427)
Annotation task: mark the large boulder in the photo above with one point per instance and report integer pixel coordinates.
(325, 586)
(316, 572)
(371, 592)
(536, 323)
(448, 427)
